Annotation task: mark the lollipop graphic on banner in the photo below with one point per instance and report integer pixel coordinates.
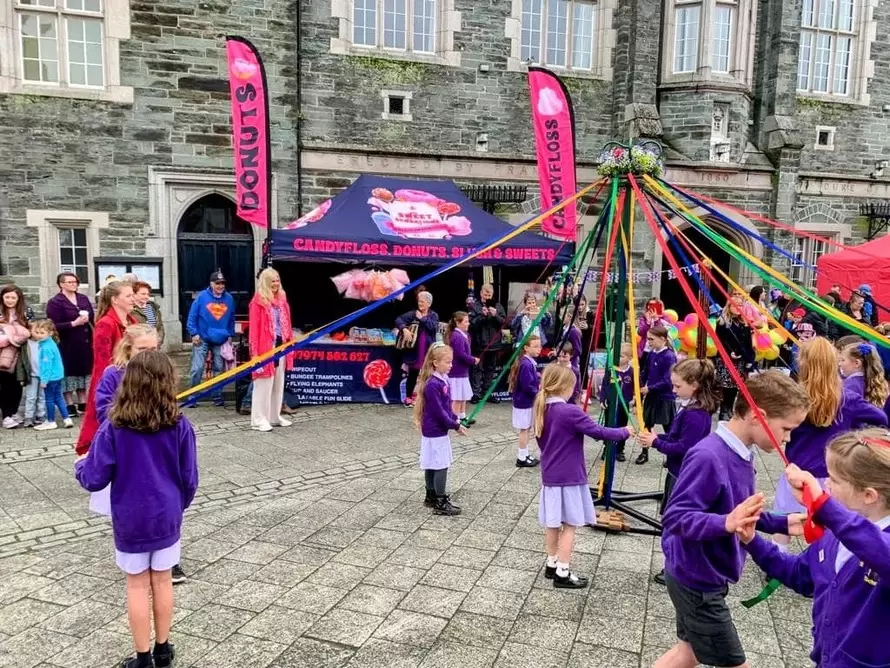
(376, 375)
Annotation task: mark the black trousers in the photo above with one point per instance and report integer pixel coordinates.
(411, 382)
(621, 420)
(482, 375)
(10, 394)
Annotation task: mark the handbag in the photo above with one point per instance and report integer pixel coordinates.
(9, 355)
(403, 343)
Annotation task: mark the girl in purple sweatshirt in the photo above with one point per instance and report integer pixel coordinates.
(435, 418)
(523, 383)
(863, 373)
(565, 502)
(847, 571)
(146, 450)
(658, 395)
(457, 337)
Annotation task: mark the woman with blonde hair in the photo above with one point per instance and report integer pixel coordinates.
(269, 326)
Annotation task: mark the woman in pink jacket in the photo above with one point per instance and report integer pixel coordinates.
(269, 326)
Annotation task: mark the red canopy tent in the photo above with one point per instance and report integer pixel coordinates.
(867, 263)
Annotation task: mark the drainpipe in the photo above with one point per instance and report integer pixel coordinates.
(299, 104)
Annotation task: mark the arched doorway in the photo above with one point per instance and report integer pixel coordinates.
(209, 237)
(671, 291)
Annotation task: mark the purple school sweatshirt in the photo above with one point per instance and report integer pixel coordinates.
(527, 381)
(573, 336)
(106, 390)
(698, 552)
(625, 382)
(656, 374)
(463, 360)
(855, 384)
(437, 418)
(808, 443)
(690, 426)
(850, 607)
(153, 479)
(562, 443)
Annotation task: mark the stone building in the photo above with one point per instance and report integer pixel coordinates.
(116, 139)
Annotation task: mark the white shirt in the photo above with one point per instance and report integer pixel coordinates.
(843, 554)
(554, 400)
(735, 444)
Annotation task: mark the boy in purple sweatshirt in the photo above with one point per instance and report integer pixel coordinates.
(621, 380)
(847, 571)
(146, 450)
(702, 554)
(659, 405)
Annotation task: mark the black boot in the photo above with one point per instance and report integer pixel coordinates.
(643, 457)
(163, 655)
(430, 500)
(445, 507)
(620, 456)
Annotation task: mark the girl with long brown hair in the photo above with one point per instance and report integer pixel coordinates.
(863, 373)
(147, 452)
(14, 359)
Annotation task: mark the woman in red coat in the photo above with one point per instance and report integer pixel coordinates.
(269, 326)
(113, 317)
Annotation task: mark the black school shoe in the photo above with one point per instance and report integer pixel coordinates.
(621, 457)
(72, 411)
(549, 572)
(136, 662)
(527, 463)
(643, 457)
(570, 581)
(430, 500)
(163, 656)
(445, 507)
(178, 575)
(659, 578)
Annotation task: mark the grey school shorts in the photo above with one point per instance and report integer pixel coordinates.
(704, 621)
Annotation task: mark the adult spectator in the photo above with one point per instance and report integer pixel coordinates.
(211, 323)
(269, 326)
(15, 365)
(487, 318)
(524, 320)
(147, 311)
(855, 308)
(72, 314)
(114, 313)
(836, 291)
(870, 308)
(417, 331)
(734, 334)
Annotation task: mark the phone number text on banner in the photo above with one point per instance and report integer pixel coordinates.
(344, 374)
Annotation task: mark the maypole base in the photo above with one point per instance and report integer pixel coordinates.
(614, 509)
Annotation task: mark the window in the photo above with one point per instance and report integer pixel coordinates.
(807, 250)
(406, 25)
(824, 138)
(708, 38)
(559, 33)
(396, 105)
(827, 42)
(64, 48)
(73, 252)
(68, 241)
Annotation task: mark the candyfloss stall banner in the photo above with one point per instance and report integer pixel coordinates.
(554, 122)
(250, 131)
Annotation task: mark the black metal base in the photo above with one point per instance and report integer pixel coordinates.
(619, 501)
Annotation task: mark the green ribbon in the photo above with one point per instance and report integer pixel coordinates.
(764, 594)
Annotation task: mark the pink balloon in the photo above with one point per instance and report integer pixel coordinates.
(691, 320)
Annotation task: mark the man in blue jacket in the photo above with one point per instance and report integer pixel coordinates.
(211, 323)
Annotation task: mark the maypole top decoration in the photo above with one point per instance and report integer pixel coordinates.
(643, 157)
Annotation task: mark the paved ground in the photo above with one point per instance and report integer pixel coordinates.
(309, 547)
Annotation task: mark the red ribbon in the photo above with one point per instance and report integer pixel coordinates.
(811, 530)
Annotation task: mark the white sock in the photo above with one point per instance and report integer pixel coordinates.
(461, 416)
(551, 561)
(523, 454)
(562, 570)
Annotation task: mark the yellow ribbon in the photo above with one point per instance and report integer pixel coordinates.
(226, 376)
(634, 335)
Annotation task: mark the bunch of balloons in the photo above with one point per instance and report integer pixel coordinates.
(684, 337)
(684, 333)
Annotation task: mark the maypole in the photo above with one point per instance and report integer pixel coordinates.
(618, 161)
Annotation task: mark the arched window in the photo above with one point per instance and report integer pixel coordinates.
(213, 214)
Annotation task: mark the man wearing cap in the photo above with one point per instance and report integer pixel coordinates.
(870, 308)
(211, 323)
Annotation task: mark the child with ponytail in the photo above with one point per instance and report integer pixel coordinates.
(435, 418)
(863, 373)
(565, 502)
(523, 383)
(457, 337)
(847, 571)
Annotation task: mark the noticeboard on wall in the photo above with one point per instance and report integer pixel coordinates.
(147, 269)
